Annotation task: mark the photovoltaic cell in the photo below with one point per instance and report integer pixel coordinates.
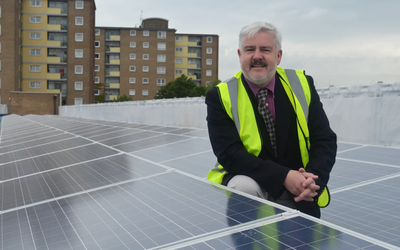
(114, 187)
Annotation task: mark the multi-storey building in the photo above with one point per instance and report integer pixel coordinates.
(137, 61)
(196, 55)
(50, 48)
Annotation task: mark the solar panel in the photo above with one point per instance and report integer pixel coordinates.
(69, 183)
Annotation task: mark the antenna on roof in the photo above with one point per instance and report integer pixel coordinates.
(141, 16)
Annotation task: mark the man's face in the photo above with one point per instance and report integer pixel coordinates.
(259, 58)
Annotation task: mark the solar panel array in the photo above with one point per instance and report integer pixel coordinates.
(68, 183)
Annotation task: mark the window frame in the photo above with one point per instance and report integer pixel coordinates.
(133, 92)
(163, 71)
(35, 38)
(147, 68)
(35, 87)
(208, 61)
(145, 92)
(97, 32)
(97, 78)
(78, 98)
(162, 83)
(75, 69)
(209, 51)
(146, 33)
(160, 56)
(178, 70)
(132, 56)
(208, 72)
(178, 49)
(163, 34)
(35, 67)
(76, 20)
(146, 47)
(77, 51)
(97, 54)
(77, 7)
(76, 36)
(146, 57)
(35, 1)
(98, 46)
(132, 33)
(145, 80)
(132, 80)
(39, 17)
(97, 90)
(130, 68)
(96, 66)
(132, 43)
(30, 52)
(178, 38)
(209, 39)
(159, 48)
(75, 85)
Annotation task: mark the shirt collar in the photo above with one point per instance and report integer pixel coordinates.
(255, 88)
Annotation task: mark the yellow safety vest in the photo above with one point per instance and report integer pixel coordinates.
(237, 103)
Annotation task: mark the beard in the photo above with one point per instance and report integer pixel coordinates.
(262, 80)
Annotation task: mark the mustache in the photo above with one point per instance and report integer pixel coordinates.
(259, 62)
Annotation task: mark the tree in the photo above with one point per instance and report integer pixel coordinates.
(212, 84)
(182, 86)
(123, 98)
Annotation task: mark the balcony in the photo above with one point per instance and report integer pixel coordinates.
(53, 91)
(115, 61)
(57, 11)
(53, 26)
(54, 76)
(114, 49)
(53, 43)
(112, 73)
(111, 97)
(114, 85)
(193, 77)
(113, 37)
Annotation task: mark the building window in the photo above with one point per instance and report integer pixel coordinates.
(209, 50)
(78, 85)
(146, 45)
(96, 79)
(96, 56)
(132, 92)
(132, 68)
(96, 44)
(209, 39)
(161, 46)
(178, 61)
(145, 56)
(160, 81)
(96, 68)
(161, 58)
(35, 68)
(97, 32)
(178, 72)
(36, 3)
(179, 38)
(78, 53)
(132, 44)
(161, 70)
(35, 52)
(35, 85)
(132, 32)
(78, 69)
(132, 56)
(78, 101)
(208, 83)
(146, 33)
(35, 35)
(78, 5)
(161, 34)
(145, 68)
(208, 61)
(96, 92)
(132, 80)
(145, 80)
(208, 72)
(145, 92)
(178, 49)
(78, 37)
(36, 19)
(78, 20)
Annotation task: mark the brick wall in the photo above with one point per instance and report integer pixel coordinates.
(24, 103)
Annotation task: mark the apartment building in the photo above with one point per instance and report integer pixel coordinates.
(137, 61)
(50, 48)
(196, 55)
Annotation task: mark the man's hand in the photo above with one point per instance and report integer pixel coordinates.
(301, 184)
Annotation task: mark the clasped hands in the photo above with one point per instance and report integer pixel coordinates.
(301, 184)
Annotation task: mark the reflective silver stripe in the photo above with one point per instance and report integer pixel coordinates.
(233, 94)
(216, 168)
(297, 88)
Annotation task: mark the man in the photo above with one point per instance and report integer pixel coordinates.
(268, 129)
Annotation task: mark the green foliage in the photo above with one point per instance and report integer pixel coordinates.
(123, 98)
(212, 84)
(182, 86)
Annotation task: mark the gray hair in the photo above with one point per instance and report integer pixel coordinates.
(252, 29)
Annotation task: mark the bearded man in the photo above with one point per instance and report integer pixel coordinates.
(268, 129)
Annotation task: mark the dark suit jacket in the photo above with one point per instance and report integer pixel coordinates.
(270, 171)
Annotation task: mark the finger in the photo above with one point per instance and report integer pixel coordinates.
(310, 175)
(308, 182)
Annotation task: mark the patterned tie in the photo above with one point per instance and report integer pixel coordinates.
(267, 116)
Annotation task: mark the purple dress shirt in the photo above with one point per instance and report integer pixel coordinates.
(270, 97)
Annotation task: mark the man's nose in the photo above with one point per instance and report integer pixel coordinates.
(257, 54)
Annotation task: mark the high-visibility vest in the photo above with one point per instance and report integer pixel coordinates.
(237, 104)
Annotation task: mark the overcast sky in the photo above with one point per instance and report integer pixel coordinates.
(341, 42)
